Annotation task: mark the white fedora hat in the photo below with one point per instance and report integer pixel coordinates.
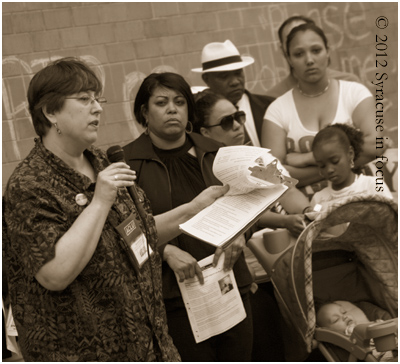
(218, 57)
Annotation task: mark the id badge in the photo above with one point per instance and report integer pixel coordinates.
(135, 240)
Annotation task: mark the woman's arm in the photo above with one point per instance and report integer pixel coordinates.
(300, 160)
(274, 138)
(168, 223)
(182, 263)
(76, 247)
(364, 119)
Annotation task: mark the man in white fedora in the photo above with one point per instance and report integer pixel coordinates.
(222, 71)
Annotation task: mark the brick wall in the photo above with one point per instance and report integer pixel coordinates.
(125, 42)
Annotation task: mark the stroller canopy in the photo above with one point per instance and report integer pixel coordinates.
(370, 234)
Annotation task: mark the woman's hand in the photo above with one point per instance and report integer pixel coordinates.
(300, 160)
(232, 253)
(182, 263)
(207, 197)
(108, 181)
(294, 223)
(168, 222)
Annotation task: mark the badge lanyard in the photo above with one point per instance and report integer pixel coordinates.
(134, 242)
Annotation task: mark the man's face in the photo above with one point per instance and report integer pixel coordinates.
(285, 32)
(227, 83)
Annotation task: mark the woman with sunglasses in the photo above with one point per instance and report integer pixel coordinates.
(218, 119)
(173, 166)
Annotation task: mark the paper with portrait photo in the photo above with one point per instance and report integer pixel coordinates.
(215, 306)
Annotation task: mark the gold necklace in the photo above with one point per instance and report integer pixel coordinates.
(316, 95)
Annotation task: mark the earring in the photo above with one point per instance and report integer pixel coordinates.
(146, 131)
(190, 127)
(351, 164)
(57, 128)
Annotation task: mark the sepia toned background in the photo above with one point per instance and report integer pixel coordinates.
(127, 41)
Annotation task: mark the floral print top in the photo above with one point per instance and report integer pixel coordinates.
(109, 312)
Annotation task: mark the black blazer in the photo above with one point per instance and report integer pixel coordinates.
(258, 104)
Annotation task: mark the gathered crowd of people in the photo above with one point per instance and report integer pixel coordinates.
(75, 293)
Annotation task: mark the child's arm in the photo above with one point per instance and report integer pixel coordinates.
(294, 201)
(294, 223)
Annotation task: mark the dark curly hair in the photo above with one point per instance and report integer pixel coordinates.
(345, 134)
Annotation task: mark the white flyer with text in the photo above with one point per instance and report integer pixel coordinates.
(215, 306)
(256, 180)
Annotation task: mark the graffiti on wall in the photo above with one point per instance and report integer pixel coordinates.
(343, 23)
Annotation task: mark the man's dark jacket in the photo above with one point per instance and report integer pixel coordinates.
(258, 105)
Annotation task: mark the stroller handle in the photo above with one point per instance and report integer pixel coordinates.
(382, 332)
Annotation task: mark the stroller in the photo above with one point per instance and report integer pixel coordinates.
(359, 265)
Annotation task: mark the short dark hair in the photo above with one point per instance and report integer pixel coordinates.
(49, 87)
(346, 135)
(204, 102)
(292, 19)
(169, 80)
(303, 28)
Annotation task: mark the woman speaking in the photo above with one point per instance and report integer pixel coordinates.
(75, 293)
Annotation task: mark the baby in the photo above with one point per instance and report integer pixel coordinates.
(340, 316)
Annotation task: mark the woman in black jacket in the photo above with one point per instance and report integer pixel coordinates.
(173, 166)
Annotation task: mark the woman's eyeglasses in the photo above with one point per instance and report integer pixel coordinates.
(226, 122)
(88, 99)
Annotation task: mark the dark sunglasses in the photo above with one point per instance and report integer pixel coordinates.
(227, 121)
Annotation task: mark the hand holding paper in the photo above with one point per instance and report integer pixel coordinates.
(208, 196)
(182, 263)
(232, 253)
(248, 197)
(215, 306)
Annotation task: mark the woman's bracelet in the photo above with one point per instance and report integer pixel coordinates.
(305, 209)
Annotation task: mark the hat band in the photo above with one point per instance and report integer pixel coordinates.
(221, 62)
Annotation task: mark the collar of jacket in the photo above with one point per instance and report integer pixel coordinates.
(144, 147)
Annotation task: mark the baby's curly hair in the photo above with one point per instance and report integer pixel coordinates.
(345, 134)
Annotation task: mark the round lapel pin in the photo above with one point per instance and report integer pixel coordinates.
(81, 199)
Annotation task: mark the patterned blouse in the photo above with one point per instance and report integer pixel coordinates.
(109, 312)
